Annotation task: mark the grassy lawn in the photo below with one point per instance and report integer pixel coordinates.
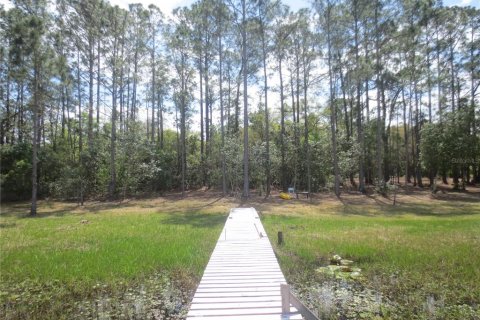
(102, 250)
(421, 257)
(143, 258)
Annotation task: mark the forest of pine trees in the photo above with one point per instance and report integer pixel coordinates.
(98, 101)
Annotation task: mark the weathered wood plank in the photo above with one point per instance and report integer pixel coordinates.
(237, 294)
(238, 285)
(242, 279)
(245, 276)
(241, 273)
(292, 316)
(238, 289)
(235, 311)
(221, 300)
(232, 305)
(250, 279)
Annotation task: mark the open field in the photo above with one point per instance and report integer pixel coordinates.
(143, 258)
(417, 261)
(102, 251)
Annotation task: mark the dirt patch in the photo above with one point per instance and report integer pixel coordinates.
(210, 200)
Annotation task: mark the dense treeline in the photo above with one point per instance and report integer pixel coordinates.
(101, 101)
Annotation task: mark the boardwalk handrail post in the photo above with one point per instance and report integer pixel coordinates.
(285, 292)
(280, 238)
(288, 298)
(260, 234)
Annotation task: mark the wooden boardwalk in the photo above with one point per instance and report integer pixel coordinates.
(242, 279)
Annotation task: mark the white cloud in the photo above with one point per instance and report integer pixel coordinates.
(6, 3)
(462, 3)
(165, 5)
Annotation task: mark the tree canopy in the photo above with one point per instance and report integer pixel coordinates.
(99, 101)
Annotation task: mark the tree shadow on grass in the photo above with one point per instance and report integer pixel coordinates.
(445, 210)
(442, 210)
(194, 219)
(46, 209)
(22, 211)
(170, 200)
(7, 225)
(457, 196)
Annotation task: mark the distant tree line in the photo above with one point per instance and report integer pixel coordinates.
(98, 101)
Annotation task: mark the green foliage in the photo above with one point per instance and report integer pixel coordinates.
(233, 161)
(16, 171)
(67, 186)
(143, 167)
(448, 145)
(433, 147)
(348, 156)
(53, 57)
(321, 155)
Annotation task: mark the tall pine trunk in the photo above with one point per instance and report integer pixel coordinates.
(153, 86)
(360, 136)
(246, 190)
(333, 112)
(222, 126)
(91, 63)
(282, 130)
(35, 135)
(379, 89)
(98, 83)
(267, 124)
(305, 110)
(79, 88)
(202, 132)
(183, 126)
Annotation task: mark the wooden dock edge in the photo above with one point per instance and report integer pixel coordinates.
(289, 299)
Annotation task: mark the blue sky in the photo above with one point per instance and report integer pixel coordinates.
(168, 5)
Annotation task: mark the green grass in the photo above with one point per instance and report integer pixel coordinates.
(66, 251)
(409, 252)
(100, 260)
(108, 246)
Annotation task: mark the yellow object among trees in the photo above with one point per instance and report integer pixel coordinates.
(285, 196)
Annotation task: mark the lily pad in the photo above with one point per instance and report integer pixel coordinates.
(345, 262)
(336, 259)
(341, 272)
